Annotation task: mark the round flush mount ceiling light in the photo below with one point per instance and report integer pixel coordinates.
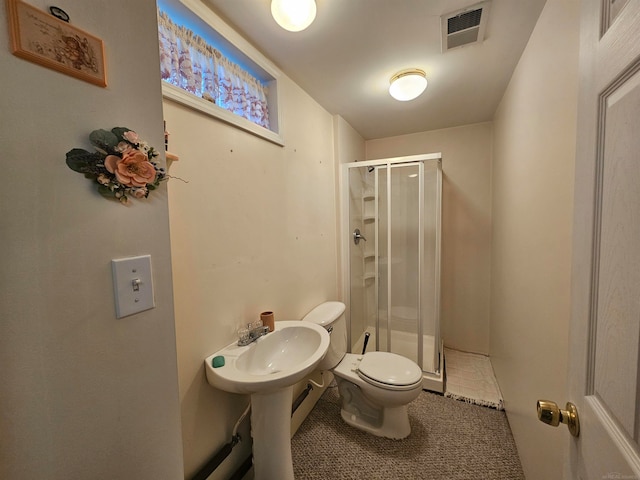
(408, 84)
(293, 15)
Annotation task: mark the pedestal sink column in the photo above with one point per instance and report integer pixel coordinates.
(271, 432)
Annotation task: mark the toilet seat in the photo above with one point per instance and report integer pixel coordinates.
(389, 371)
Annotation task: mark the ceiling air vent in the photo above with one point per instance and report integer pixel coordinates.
(464, 27)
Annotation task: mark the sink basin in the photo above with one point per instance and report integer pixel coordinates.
(267, 369)
(279, 359)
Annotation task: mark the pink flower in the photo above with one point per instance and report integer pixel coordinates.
(103, 179)
(123, 147)
(132, 170)
(131, 136)
(140, 192)
(110, 163)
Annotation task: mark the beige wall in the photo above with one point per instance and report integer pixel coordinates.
(253, 230)
(349, 144)
(466, 228)
(534, 148)
(84, 395)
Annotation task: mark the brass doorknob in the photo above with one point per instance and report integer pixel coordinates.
(551, 414)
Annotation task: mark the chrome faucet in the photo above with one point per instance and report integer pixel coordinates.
(251, 333)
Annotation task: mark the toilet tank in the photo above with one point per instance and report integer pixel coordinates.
(330, 315)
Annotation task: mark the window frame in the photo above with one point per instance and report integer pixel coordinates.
(242, 48)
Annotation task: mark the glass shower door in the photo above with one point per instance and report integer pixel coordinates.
(430, 275)
(362, 265)
(400, 252)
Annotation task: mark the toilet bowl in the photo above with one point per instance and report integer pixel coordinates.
(375, 388)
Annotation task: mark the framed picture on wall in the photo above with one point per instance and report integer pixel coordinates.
(44, 39)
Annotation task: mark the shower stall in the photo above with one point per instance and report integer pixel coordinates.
(391, 222)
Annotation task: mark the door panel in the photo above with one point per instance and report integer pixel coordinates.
(617, 331)
(605, 325)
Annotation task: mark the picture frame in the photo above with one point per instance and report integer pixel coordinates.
(44, 39)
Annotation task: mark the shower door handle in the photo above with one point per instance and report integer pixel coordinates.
(357, 236)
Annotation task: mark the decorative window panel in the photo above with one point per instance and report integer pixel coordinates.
(200, 75)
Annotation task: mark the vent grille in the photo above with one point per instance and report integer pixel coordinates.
(464, 21)
(464, 27)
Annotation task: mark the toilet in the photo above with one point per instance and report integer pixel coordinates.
(375, 388)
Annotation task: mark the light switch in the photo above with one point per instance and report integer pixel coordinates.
(132, 285)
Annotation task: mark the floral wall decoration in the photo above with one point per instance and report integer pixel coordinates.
(190, 63)
(122, 165)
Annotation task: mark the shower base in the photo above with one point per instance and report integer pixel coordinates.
(405, 344)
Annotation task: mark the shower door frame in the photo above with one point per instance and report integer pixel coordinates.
(347, 238)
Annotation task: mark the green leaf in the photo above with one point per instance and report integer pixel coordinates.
(103, 139)
(81, 161)
(104, 190)
(119, 132)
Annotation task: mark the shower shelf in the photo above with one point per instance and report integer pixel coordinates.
(369, 220)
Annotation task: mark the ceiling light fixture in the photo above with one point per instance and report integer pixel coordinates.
(293, 15)
(408, 84)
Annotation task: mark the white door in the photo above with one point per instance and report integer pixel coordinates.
(605, 324)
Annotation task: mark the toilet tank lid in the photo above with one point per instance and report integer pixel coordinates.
(326, 313)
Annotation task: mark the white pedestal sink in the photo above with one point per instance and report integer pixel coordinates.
(267, 369)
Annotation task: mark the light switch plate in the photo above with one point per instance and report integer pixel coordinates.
(132, 285)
